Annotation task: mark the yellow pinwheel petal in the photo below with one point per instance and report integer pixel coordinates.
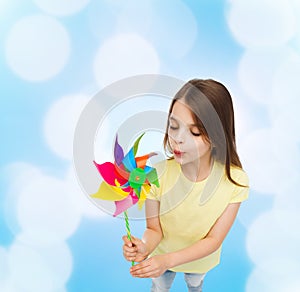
(109, 193)
(143, 195)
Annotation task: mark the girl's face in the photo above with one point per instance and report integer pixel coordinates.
(185, 138)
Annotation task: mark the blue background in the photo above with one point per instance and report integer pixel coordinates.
(214, 50)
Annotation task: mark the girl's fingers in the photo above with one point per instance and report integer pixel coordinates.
(127, 241)
(129, 252)
(142, 270)
(135, 240)
(129, 249)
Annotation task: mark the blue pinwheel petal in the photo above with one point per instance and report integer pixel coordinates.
(124, 186)
(147, 169)
(129, 161)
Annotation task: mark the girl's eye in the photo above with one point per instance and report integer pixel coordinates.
(197, 134)
(172, 127)
(195, 131)
(173, 124)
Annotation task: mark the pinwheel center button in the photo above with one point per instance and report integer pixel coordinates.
(137, 177)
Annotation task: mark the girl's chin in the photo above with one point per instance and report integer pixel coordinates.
(179, 160)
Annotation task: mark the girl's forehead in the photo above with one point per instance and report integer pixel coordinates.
(182, 113)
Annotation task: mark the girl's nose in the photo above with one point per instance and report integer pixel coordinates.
(179, 136)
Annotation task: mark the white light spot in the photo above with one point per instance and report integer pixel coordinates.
(101, 19)
(61, 8)
(262, 23)
(276, 156)
(60, 123)
(170, 25)
(122, 56)
(19, 174)
(37, 48)
(24, 262)
(255, 205)
(46, 210)
(285, 89)
(135, 16)
(174, 27)
(256, 72)
(36, 268)
(288, 196)
(271, 276)
(80, 199)
(268, 237)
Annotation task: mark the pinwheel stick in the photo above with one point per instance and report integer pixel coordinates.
(128, 229)
(127, 180)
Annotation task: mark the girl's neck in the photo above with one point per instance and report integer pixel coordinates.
(199, 170)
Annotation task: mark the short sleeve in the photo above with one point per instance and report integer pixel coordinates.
(240, 193)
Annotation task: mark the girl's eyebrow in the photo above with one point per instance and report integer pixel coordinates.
(177, 121)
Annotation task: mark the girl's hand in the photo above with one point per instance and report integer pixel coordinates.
(150, 268)
(134, 250)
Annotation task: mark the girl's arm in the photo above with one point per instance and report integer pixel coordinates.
(157, 265)
(136, 249)
(153, 233)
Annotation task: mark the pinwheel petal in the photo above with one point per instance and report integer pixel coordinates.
(118, 152)
(134, 197)
(142, 160)
(152, 177)
(125, 187)
(123, 205)
(147, 169)
(136, 144)
(107, 171)
(143, 195)
(129, 161)
(122, 173)
(109, 193)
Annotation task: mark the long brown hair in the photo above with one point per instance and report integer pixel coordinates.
(210, 100)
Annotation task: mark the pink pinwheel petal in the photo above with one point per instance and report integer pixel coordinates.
(134, 198)
(107, 171)
(123, 205)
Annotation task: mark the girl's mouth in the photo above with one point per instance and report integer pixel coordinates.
(178, 153)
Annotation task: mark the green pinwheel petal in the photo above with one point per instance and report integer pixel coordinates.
(153, 178)
(137, 191)
(136, 144)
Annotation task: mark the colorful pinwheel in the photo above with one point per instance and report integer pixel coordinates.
(126, 181)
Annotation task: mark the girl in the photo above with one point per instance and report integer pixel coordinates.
(201, 188)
